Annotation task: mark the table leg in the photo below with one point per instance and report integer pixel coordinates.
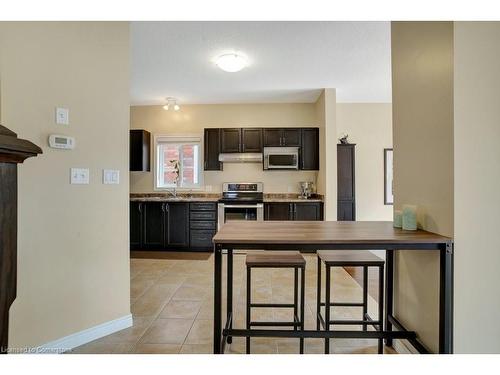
(230, 291)
(389, 289)
(217, 298)
(446, 300)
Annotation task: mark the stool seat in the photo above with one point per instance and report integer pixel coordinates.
(349, 257)
(275, 259)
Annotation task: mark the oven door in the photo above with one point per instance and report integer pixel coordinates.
(240, 212)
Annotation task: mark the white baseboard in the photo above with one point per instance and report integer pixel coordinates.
(87, 335)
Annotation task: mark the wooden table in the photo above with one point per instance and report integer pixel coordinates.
(333, 235)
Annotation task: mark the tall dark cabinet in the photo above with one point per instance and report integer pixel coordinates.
(346, 188)
(13, 151)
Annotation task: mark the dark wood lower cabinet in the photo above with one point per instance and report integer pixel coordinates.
(172, 225)
(300, 211)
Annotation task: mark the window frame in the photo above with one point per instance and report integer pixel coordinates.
(162, 139)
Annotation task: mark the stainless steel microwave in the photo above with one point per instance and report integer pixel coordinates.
(281, 158)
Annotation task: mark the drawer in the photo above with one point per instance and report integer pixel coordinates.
(203, 206)
(202, 224)
(201, 238)
(202, 215)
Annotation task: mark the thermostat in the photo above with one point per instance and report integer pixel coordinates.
(61, 141)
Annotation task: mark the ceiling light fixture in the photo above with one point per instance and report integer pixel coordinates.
(231, 62)
(171, 102)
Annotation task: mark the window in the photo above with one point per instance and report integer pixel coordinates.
(178, 162)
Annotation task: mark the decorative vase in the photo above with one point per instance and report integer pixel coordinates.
(398, 219)
(409, 217)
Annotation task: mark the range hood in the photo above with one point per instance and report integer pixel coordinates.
(243, 157)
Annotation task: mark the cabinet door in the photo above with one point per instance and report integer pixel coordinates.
(231, 140)
(153, 235)
(345, 172)
(251, 140)
(346, 210)
(278, 211)
(177, 225)
(140, 152)
(291, 137)
(309, 156)
(308, 211)
(273, 137)
(135, 225)
(212, 150)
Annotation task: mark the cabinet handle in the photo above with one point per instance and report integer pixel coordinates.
(140, 207)
(166, 207)
(205, 165)
(163, 207)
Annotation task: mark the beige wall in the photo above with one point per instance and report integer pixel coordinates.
(477, 181)
(422, 97)
(326, 113)
(369, 125)
(192, 119)
(73, 258)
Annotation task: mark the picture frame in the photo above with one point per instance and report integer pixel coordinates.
(388, 177)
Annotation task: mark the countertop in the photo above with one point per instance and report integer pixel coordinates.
(200, 197)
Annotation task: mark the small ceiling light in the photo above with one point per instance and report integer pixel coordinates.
(231, 62)
(171, 102)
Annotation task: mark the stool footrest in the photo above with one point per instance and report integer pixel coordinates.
(355, 322)
(278, 305)
(344, 304)
(272, 324)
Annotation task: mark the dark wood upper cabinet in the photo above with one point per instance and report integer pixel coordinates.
(273, 137)
(231, 140)
(212, 150)
(276, 137)
(251, 139)
(346, 188)
(309, 158)
(140, 150)
(292, 137)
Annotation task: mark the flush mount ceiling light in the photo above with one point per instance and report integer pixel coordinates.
(171, 103)
(231, 62)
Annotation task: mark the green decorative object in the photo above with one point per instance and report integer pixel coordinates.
(409, 217)
(398, 219)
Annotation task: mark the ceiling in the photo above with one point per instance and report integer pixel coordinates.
(289, 61)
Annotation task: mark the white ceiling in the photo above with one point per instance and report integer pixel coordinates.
(290, 61)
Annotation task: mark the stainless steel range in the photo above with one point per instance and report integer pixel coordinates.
(241, 201)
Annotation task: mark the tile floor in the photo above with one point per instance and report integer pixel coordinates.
(172, 309)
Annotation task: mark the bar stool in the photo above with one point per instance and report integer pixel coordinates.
(278, 259)
(349, 258)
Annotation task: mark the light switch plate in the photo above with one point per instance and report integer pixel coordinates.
(79, 176)
(110, 176)
(62, 116)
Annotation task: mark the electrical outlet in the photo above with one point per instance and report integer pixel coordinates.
(110, 176)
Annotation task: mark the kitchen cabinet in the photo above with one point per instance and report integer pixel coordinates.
(140, 150)
(135, 224)
(251, 139)
(176, 225)
(278, 211)
(231, 140)
(309, 155)
(159, 225)
(212, 150)
(202, 225)
(276, 137)
(308, 211)
(346, 189)
(300, 211)
(153, 236)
